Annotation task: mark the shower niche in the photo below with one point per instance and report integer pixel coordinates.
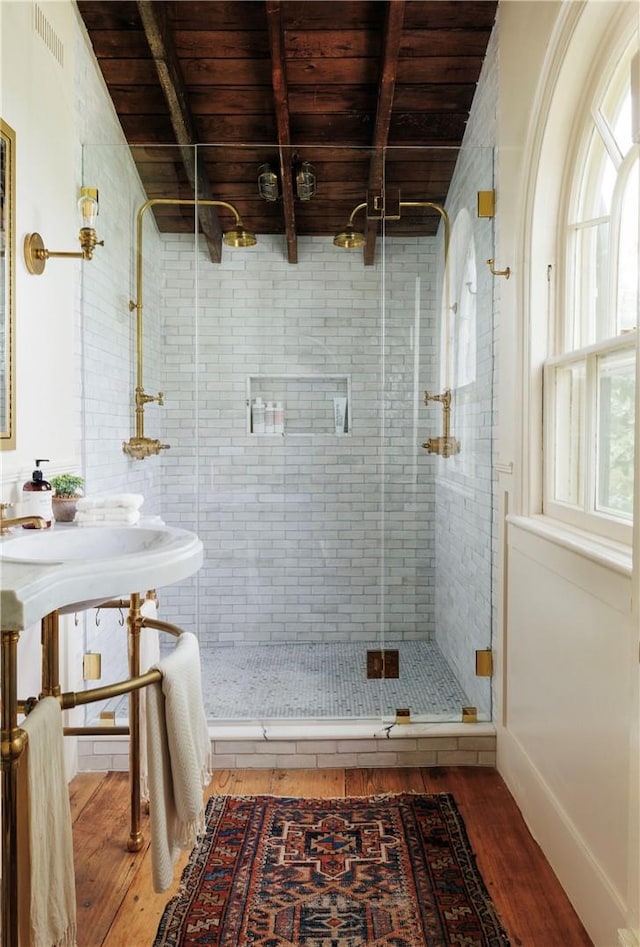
(300, 405)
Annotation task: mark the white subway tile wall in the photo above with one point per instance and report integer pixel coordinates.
(315, 536)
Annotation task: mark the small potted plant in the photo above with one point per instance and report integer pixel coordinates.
(67, 488)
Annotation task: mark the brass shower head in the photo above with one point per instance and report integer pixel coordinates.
(239, 236)
(349, 238)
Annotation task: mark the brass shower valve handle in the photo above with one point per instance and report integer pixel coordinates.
(143, 398)
(444, 398)
(141, 447)
(445, 446)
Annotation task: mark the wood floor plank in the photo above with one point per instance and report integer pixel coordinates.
(81, 790)
(322, 783)
(102, 862)
(366, 782)
(137, 919)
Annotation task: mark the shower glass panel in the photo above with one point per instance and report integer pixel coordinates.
(346, 570)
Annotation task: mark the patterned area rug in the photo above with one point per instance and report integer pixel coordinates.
(383, 871)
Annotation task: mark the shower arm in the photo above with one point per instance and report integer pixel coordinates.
(140, 446)
(446, 445)
(446, 225)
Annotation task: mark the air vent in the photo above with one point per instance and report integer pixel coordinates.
(47, 34)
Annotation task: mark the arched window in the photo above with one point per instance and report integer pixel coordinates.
(589, 382)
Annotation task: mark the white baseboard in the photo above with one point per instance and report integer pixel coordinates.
(600, 907)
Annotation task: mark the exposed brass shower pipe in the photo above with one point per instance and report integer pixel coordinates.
(141, 446)
(351, 239)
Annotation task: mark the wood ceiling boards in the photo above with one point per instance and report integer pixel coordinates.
(371, 92)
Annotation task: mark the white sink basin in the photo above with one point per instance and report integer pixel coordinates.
(68, 568)
(100, 542)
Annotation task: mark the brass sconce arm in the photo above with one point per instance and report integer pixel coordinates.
(35, 252)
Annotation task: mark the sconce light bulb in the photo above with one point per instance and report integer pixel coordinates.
(88, 206)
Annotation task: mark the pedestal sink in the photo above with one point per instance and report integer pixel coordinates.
(68, 568)
(64, 569)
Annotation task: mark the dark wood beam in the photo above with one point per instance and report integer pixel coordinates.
(394, 20)
(281, 102)
(154, 21)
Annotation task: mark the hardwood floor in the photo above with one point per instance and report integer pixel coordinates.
(118, 908)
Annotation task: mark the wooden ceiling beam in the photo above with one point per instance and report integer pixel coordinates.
(393, 22)
(281, 103)
(154, 22)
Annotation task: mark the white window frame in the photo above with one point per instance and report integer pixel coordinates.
(585, 515)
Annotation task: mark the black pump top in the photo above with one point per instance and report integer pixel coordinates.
(37, 474)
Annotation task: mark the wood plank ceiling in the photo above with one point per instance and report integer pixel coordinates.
(373, 93)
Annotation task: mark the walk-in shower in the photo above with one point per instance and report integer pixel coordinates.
(347, 570)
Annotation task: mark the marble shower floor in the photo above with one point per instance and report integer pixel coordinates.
(320, 680)
(326, 680)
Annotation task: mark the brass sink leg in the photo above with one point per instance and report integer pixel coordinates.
(13, 742)
(134, 624)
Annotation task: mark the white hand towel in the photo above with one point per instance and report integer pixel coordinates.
(125, 501)
(178, 750)
(52, 919)
(116, 517)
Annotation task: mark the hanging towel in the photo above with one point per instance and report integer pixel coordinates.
(178, 751)
(125, 501)
(52, 916)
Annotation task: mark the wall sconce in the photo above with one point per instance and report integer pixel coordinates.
(306, 181)
(268, 186)
(35, 252)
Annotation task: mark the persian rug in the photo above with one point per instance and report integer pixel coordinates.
(383, 871)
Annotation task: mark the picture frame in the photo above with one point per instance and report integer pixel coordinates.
(7, 286)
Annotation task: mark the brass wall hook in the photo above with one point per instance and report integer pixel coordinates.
(506, 273)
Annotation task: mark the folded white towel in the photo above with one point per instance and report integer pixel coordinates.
(126, 501)
(115, 517)
(52, 920)
(178, 751)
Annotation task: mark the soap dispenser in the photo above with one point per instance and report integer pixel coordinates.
(36, 497)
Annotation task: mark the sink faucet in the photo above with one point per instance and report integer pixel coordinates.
(7, 522)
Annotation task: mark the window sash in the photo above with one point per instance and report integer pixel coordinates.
(577, 476)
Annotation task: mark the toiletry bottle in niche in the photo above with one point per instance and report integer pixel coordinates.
(36, 497)
(257, 416)
(278, 418)
(269, 418)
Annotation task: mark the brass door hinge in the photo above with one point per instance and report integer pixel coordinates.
(484, 663)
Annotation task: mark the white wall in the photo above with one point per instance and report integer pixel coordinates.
(567, 653)
(38, 103)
